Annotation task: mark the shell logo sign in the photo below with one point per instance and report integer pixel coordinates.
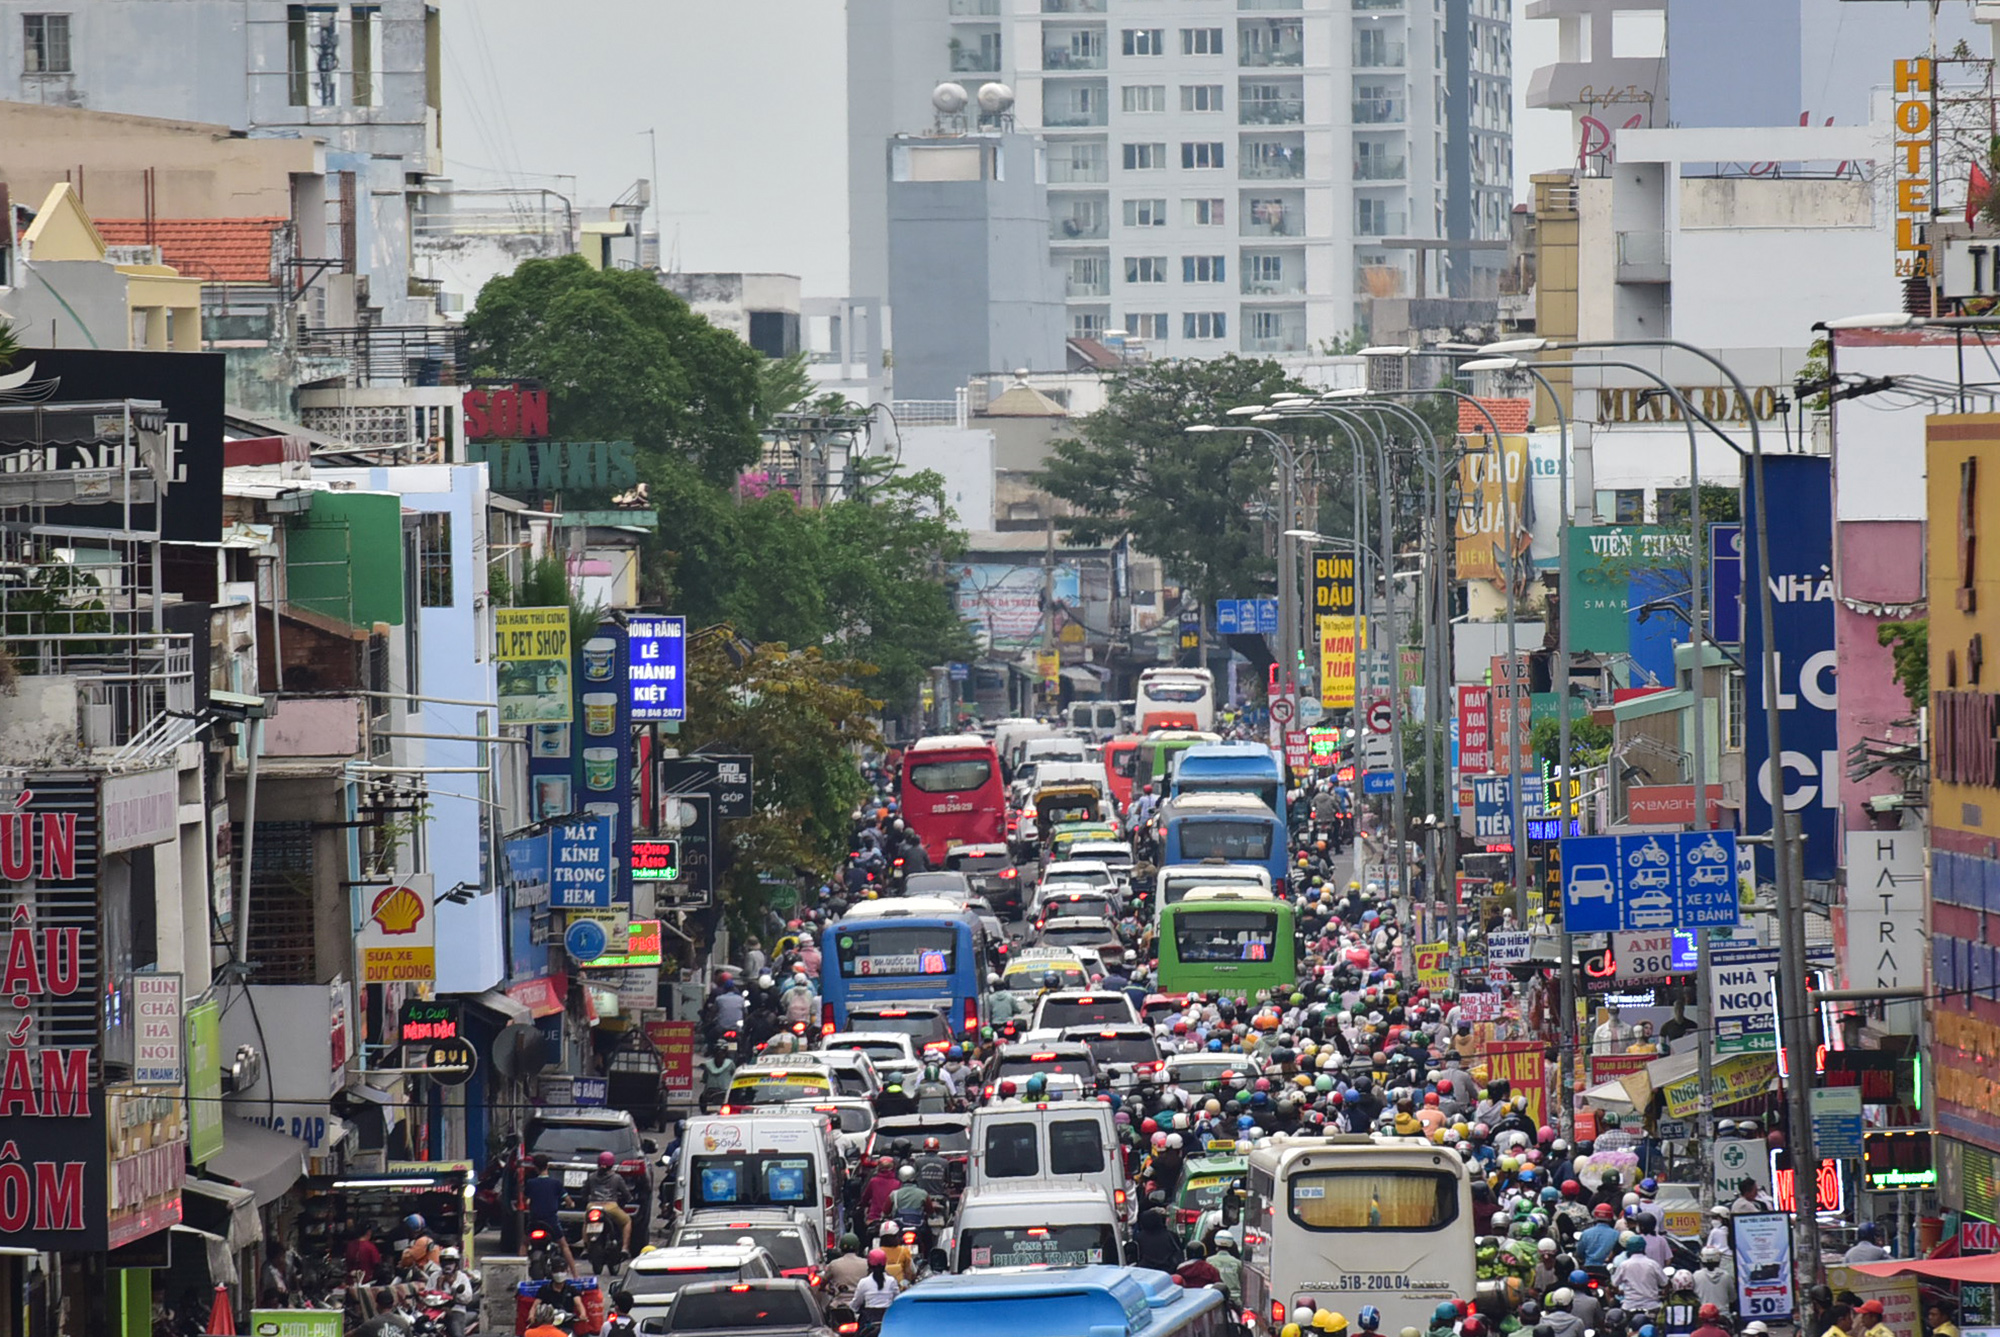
(397, 941)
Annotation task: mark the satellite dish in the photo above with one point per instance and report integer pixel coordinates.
(949, 98)
(519, 1051)
(995, 98)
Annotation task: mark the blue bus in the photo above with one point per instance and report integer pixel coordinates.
(1232, 768)
(914, 952)
(1237, 828)
(1091, 1301)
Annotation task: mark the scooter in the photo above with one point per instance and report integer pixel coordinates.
(600, 1242)
(544, 1253)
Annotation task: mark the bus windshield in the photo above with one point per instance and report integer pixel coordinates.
(1374, 1200)
(952, 775)
(1225, 838)
(1173, 691)
(1264, 791)
(1226, 935)
(1037, 1246)
(866, 953)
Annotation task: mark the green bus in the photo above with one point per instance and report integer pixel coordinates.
(1221, 940)
(1157, 751)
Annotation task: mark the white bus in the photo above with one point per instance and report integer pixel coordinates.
(1176, 698)
(1356, 1220)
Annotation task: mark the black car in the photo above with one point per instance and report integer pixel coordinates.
(572, 1138)
(991, 871)
(776, 1307)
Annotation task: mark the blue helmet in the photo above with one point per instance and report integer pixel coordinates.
(1551, 1195)
(1245, 1122)
(956, 1051)
(1215, 1046)
(1443, 1314)
(1579, 1278)
(1370, 1318)
(1260, 1098)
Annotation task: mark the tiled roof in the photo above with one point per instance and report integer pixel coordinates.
(223, 250)
(1511, 415)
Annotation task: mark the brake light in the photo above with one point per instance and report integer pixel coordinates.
(594, 1215)
(538, 1233)
(1010, 872)
(1118, 1197)
(1277, 1314)
(1037, 1232)
(826, 1018)
(1278, 887)
(1086, 999)
(909, 1237)
(1041, 1058)
(847, 1329)
(971, 1014)
(739, 1290)
(1187, 1216)
(826, 1109)
(893, 1012)
(1107, 1035)
(730, 1109)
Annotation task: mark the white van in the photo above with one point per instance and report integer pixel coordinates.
(1040, 1227)
(1174, 881)
(1055, 1145)
(787, 1159)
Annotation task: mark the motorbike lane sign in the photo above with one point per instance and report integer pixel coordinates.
(1657, 880)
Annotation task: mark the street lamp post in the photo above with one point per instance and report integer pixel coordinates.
(1288, 467)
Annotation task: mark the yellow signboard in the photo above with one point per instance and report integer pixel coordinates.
(1494, 489)
(1432, 972)
(1339, 642)
(532, 653)
(1739, 1077)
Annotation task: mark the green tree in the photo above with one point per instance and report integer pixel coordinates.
(1910, 655)
(1187, 499)
(800, 718)
(1589, 741)
(623, 358)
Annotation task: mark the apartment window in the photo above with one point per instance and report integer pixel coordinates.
(1201, 41)
(1201, 155)
(1623, 506)
(1371, 217)
(1733, 691)
(1145, 213)
(1202, 213)
(1146, 324)
(1264, 268)
(1267, 324)
(313, 55)
(1145, 41)
(434, 560)
(1204, 325)
(1145, 97)
(1145, 269)
(1201, 97)
(365, 37)
(1086, 324)
(1145, 157)
(45, 43)
(1203, 269)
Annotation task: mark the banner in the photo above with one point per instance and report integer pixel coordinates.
(1432, 972)
(1475, 730)
(1008, 604)
(531, 655)
(1799, 516)
(1490, 497)
(1763, 1246)
(397, 941)
(1522, 1065)
(1736, 1078)
(674, 1042)
(1614, 571)
(1333, 583)
(1339, 644)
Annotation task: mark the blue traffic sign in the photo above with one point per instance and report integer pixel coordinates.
(1246, 617)
(585, 939)
(1629, 884)
(1378, 782)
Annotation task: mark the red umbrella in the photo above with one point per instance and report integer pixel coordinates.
(221, 1319)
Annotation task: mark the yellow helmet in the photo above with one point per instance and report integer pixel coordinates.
(1289, 1330)
(1326, 1320)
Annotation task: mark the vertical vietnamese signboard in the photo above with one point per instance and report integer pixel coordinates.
(1333, 583)
(1339, 644)
(204, 1080)
(1799, 517)
(1475, 730)
(604, 744)
(532, 653)
(397, 940)
(657, 667)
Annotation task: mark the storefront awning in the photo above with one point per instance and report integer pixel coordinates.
(507, 1010)
(1083, 682)
(258, 1159)
(1984, 1269)
(221, 1209)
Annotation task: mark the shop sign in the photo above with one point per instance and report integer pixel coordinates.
(580, 865)
(1522, 1065)
(422, 1020)
(656, 671)
(1333, 583)
(1737, 1078)
(543, 996)
(204, 1080)
(156, 1053)
(505, 412)
(397, 943)
(305, 1322)
(1910, 86)
(140, 809)
(557, 466)
(674, 1042)
(148, 1155)
(531, 651)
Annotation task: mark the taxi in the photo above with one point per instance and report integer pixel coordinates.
(780, 1079)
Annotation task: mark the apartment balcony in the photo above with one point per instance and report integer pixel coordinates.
(1091, 226)
(1289, 55)
(1074, 118)
(987, 9)
(1272, 111)
(1282, 159)
(1643, 257)
(395, 355)
(1290, 6)
(1378, 111)
(1380, 168)
(1379, 56)
(1087, 285)
(1065, 58)
(1291, 339)
(1361, 6)
(130, 695)
(975, 62)
(1374, 224)
(1065, 171)
(1285, 220)
(1072, 6)
(1259, 281)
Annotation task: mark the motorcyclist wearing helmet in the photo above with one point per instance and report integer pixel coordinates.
(608, 1190)
(455, 1281)
(1228, 1265)
(874, 1293)
(1444, 1320)
(844, 1271)
(421, 1254)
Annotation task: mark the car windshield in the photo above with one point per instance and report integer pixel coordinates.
(1123, 1049)
(1062, 1013)
(947, 885)
(1205, 1191)
(1079, 935)
(1226, 935)
(875, 1049)
(1077, 906)
(977, 863)
(900, 950)
(757, 1307)
(1037, 1246)
(780, 1089)
(1028, 979)
(744, 1179)
(1124, 762)
(1020, 1069)
(787, 1250)
(951, 777)
(951, 1137)
(564, 1141)
(1160, 691)
(1188, 1074)
(924, 1027)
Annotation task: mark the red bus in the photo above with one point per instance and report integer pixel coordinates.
(1121, 761)
(952, 793)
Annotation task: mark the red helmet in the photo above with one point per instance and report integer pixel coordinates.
(877, 1258)
(1572, 1189)
(1708, 1313)
(1603, 1211)
(605, 1160)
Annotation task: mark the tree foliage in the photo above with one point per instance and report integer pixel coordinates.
(1910, 655)
(623, 358)
(1187, 499)
(801, 719)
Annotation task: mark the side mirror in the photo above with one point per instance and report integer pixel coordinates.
(649, 1146)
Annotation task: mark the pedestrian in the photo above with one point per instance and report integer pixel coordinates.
(1869, 1320)
(1937, 1320)
(1840, 1322)
(1867, 1246)
(1708, 1322)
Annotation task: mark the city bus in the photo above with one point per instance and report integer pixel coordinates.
(1226, 940)
(1121, 762)
(1237, 828)
(910, 951)
(1095, 1300)
(1353, 1220)
(1232, 768)
(1175, 698)
(1157, 750)
(952, 793)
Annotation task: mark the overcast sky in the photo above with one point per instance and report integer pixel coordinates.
(748, 100)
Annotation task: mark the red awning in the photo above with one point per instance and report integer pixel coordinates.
(1983, 1269)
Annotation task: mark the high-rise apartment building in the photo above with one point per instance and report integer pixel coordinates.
(1224, 175)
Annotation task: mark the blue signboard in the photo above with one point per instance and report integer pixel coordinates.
(960, 672)
(1800, 520)
(1378, 782)
(656, 667)
(585, 940)
(589, 1090)
(1686, 952)
(1551, 828)
(580, 865)
(1629, 884)
(1725, 583)
(1246, 617)
(1492, 807)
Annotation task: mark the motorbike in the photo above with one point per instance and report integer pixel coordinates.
(544, 1253)
(600, 1242)
(842, 1318)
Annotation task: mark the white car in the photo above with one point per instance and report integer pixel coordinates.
(890, 1053)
